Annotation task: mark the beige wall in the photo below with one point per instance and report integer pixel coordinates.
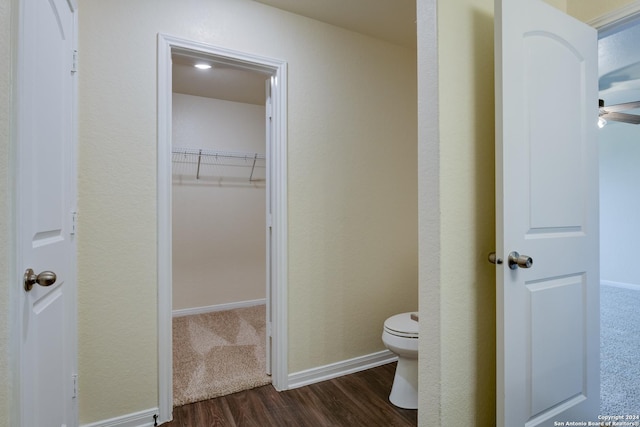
(457, 376)
(467, 211)
(219, 254)
(352, 185)
(588, 10)
(5, 212)
(560, 4)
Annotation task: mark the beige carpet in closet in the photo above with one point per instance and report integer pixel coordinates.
(218, 353)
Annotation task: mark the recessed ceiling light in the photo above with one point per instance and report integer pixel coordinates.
(202, 66)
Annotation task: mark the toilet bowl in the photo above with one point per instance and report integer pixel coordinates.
(400, 336)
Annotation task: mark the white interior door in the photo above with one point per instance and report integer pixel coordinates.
(547, 209)
(45, 199)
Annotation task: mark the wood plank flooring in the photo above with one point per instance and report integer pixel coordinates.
(359, 399)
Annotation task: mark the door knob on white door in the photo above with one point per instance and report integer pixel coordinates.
(46, 278)
(516, 260)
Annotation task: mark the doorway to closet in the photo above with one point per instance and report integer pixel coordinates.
(218, 228)
(222, 221)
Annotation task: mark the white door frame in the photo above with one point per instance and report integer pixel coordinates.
(277, 163)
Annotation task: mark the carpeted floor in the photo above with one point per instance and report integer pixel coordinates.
(218, 353)
(619, 351)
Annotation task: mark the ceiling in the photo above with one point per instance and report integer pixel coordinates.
(393, 21)
(390, 20)
(619, 65)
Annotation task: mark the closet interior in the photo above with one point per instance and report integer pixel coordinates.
(218, 228)
(218, 202)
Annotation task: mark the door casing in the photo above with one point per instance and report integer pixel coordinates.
(276, 157)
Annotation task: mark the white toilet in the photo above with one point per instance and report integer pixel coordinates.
(400, 335)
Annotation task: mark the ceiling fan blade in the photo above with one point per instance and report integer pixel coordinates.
(622, 107)
(622, 117)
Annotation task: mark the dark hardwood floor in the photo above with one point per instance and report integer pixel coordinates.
(359, 399)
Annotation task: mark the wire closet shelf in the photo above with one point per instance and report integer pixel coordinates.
(215, 163)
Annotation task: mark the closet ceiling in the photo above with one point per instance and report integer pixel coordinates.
(220, 82)
(390, 20)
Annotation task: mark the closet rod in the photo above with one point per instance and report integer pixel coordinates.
(220, 158)
(218, 153)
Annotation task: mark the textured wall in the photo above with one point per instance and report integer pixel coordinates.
(458, 383)
(352, 193)
(219, 220)
(5, 213)
(117, 211)
(467, 206)
(352, 185)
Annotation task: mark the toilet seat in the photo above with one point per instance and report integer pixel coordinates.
(401, 325)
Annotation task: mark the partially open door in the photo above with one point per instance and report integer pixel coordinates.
(547, 216)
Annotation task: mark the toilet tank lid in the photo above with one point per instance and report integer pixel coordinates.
(402, 323)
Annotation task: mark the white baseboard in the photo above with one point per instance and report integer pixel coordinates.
(338, 369)
(137, 419)
(217, 307)
(295, 380)
(631, 286)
